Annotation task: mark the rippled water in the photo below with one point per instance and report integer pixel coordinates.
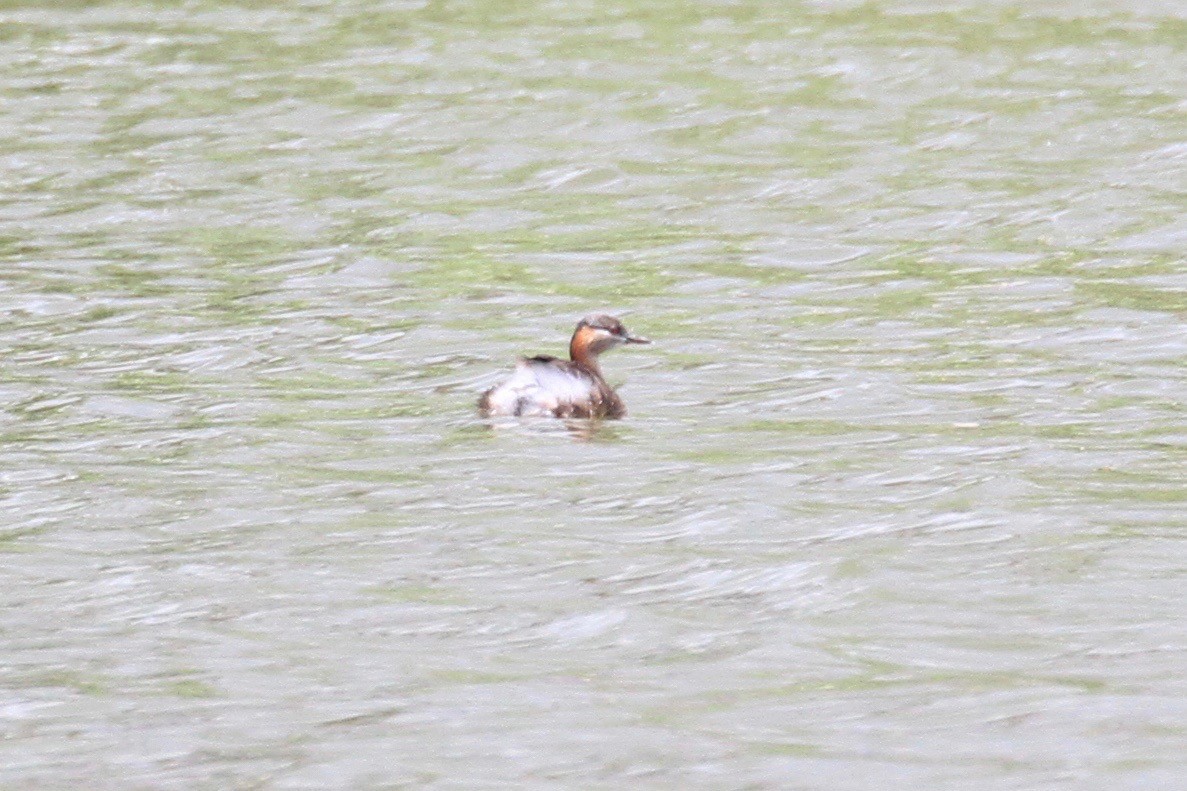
(900, 500)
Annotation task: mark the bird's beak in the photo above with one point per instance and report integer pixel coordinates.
(635, 339)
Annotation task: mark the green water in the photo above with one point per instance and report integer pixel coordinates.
(900, 497)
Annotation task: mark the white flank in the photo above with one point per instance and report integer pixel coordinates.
(538, 388)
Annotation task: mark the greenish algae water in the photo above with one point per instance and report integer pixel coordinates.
(900, 498)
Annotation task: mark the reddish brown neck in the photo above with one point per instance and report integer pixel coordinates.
(582, 350)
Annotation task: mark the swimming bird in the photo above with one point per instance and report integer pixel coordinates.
(573, 388)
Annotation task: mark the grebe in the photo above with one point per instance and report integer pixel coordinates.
(545, 385)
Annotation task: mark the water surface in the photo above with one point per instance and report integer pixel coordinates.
(900, 498)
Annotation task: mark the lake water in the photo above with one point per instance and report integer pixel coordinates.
(901, 500)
